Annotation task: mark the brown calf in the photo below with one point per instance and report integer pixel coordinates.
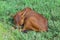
(31, 20)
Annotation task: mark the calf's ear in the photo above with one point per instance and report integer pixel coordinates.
(24, 13)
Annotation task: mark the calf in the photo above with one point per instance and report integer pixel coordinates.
(30, 20)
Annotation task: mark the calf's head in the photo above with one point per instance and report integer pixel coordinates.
(19, 18)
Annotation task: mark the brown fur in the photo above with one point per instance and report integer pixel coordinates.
(31, 20)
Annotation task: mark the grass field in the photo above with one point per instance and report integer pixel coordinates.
(48, 8)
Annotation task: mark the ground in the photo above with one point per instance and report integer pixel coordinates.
(48, 8)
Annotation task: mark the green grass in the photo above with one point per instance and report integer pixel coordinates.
(48, 8)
